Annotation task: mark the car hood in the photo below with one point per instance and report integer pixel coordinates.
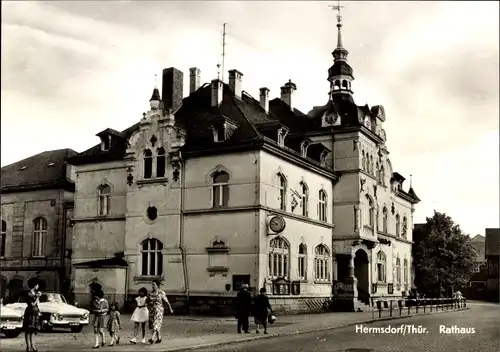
(9, 312)
(61, 308)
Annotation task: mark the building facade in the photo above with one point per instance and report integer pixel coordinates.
(218, 189)
(36, 205)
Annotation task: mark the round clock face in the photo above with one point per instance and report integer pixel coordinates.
(277, 224)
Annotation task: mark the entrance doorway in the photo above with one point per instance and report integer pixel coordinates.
(15, 289)
(361, 267)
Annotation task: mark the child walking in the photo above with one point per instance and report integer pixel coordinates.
(100, 309)
(114, 324)
(141, 315)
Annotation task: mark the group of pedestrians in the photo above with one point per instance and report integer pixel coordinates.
(149, 309)
(259, 307)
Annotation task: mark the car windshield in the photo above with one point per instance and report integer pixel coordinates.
(52, 298)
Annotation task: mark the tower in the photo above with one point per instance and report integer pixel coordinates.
(340, 74)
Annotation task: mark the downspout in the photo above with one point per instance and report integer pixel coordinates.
(181, 235)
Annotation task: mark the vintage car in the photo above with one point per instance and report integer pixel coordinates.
(56, 312)
(11, 321)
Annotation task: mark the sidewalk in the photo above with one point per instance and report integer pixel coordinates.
(188, 332)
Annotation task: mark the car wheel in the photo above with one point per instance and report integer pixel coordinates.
(12, 334)
(77, 329)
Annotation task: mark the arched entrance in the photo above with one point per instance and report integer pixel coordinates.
(15, 289)
(361, 268)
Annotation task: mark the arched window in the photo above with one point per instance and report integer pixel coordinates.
(344, 84)
(304, 199)
(152, 257)
(382, 175)
(39, 237)
(282, 190)
(278, 258)
(381, 265)
(384, 220)
(337, 85)
(404, 229)
(3, 238)
(148, 163)
(398, 227)
(321, 260)
(322, 206)
(302, 261)
(371, 212)
(371, 165)
(368, 165)
(104, 192)
(220, 189)
(377, 172)
(160, 162)
(405, 271)
(363, 161)
(398, 271)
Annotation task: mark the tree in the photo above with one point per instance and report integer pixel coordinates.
(443, 256)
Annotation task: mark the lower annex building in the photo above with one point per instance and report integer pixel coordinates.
(217, 189)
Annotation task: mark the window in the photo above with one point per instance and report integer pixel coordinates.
(3, 237)
(282, 190)
(105, 142)
(39, 234)
(398, 271)
(103, 207)
(160, 163)
(302, 261)
(382, 175)
(322, 206)
(148, 164)
(321, 260)
(405, 227)
(152, 213)
(377, 172)
(304, 199)
(363, 161)
(220, 189)
(371, 165)
(371, 213)
(152, 258)
(381, 261)
(384, 220)
(405, 271)
(278, 257)
(398, 221)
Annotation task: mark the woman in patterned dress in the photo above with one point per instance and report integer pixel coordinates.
(31, 315)
(156, 298)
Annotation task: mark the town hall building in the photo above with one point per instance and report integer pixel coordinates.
(218, 189)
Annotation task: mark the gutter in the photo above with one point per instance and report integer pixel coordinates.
(181, 235)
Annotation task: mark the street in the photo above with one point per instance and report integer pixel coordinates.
(484, 318)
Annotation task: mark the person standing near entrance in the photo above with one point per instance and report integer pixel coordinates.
(243, 308)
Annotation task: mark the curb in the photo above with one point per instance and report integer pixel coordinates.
(306, 331)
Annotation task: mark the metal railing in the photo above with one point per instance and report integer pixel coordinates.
(383, 307)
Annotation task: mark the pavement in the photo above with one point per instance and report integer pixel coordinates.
(423, 333)
(188, 332)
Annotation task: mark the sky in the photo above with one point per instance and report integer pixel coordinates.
(71, 69)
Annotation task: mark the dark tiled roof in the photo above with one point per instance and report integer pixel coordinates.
(47, 169)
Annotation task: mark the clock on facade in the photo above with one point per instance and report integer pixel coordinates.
(277, 224)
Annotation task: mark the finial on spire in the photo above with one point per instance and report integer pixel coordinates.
(410, 181)
(156, 80)
(339, 23)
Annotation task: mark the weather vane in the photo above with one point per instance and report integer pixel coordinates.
(337, 8)
(156, 80)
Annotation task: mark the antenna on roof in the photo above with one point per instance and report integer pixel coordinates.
(223, 48)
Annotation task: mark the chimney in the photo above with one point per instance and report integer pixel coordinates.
(217, 87)
(264, 98)
(194, 79)
(172, 88)
(235, 82)
(287, 91)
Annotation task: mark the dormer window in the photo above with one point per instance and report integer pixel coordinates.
(303, 148)
(219, 133)
(322, 157)
(105, 142)
(282, 133)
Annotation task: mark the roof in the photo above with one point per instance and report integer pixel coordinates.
(46, 170)
(115, 262)
(197, 117)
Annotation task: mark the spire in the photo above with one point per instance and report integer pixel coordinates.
(155, 100)
(340, 53)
